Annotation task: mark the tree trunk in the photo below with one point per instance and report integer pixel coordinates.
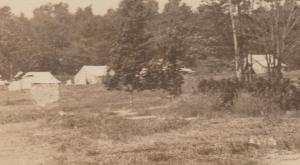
(238, 68)
(131, 100)
(277, 65)
(269, 58)
(7, 95)
(10, 80)
(10, 71)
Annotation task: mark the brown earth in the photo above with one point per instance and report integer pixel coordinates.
(90, 127)
(16, 147)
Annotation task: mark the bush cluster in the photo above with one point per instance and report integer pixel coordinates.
(282, 92)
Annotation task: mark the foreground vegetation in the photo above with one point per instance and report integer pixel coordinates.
(94, 126)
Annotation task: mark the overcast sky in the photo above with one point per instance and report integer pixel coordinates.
(99, 6)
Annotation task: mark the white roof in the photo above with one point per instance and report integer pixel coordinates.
(95, 70)
(18, 74)
(41, 78)
(187, 70)
(262, 60)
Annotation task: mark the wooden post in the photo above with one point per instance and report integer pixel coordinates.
(7, 94)
(251, 67)
(131, 100)
(248, 67)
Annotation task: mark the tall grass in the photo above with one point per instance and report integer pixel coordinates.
(92, 111)
(91, 128)
(249, 105)
(195, 105)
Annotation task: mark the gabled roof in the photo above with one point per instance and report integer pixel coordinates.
(40, 78)
(95, 70)
(19, 75)
(187, 70)
(261, 59)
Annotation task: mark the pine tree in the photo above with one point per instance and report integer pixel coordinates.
(131, 48)
(172, 48)
(15, 44)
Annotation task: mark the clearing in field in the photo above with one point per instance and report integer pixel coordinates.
(93, 126)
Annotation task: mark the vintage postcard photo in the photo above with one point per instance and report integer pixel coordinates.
(149, 82)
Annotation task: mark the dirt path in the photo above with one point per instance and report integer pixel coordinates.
(289, 162)
(17, 147)
(292, 161)
(285, 162)
(283, 159)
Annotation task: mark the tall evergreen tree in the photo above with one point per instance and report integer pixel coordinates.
(165, 69)
(52, 24)
(91, 38)
(131, 48)
(15, 44)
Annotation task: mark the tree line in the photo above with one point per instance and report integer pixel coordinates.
(57, 40)
(146, 48)
(269, 27)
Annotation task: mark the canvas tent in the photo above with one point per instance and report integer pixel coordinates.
(260, 63)
(90, 75)
(187, 70)
(189, 80)
(31, 79)
(3, 82)
(43, 87)
(28, 80)
(15, 86)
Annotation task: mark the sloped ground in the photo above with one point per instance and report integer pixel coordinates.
(19, 124)
(284, 158)
(89, 126)
(104, 128)
(16, 148)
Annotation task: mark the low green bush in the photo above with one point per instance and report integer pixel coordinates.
(282, 92)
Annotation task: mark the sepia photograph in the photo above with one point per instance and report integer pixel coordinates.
(149, 82)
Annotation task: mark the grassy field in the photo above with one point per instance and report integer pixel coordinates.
(91, 126)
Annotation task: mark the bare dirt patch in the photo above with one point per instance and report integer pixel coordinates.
(90, 127)
(17, 147)
(283, 158)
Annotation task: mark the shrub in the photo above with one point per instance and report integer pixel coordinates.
(254, 106)
(195, 105)
(282, 92)
(116, 128)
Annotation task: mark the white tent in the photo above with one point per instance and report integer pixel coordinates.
(43, 87)
(260, 62)
(33, 78)
(15, 86)
(28, 80)
(90, 75)
(69, 82)
(3, 82)
(187, 70)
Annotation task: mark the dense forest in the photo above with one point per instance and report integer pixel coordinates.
(57, 40)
